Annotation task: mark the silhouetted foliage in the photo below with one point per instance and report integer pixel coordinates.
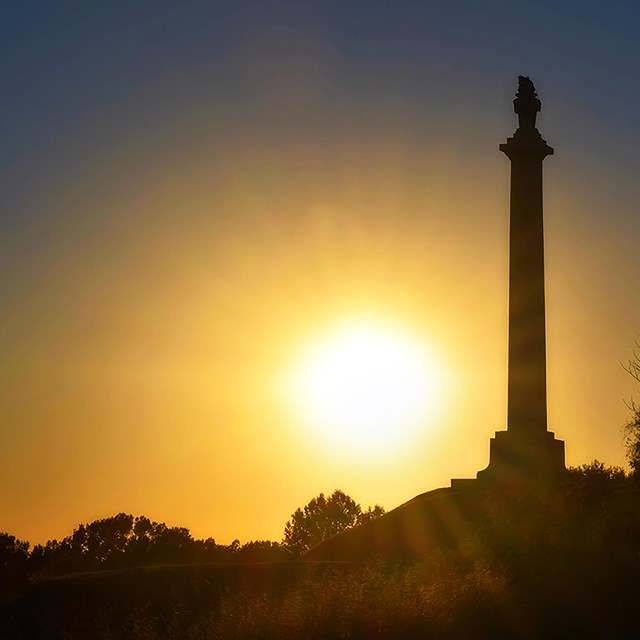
(553, 561)
(557, 561)
(324, 517)
(261, 551)
(14, 555)
(118, 542)
(13, 552)
(631, 429)
(595, 482)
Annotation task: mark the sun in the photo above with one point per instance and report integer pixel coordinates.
(367, 386)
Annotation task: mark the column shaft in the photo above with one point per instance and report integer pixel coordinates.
(527, 395)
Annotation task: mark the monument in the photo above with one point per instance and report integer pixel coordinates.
(526, 449)
(526, 453)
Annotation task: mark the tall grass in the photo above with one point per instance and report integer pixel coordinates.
(398, 601)
(436, 598)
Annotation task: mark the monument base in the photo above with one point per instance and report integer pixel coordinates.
(516, 458)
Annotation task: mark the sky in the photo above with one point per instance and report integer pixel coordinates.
(192, 193)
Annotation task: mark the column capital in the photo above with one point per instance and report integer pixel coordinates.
(526, 143)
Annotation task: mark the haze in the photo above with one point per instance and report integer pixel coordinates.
(191, 192)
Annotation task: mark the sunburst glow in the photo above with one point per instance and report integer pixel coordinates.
(367, 386)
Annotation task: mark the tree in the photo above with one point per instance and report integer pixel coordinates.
(322, 518)
(119, 541)
(14, 554)
(595, 483)
(371, 514)
(631, 429)
(260, 551)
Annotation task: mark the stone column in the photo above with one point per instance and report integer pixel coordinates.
(526, 449)
(527, 396)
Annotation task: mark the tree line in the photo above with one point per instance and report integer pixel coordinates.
(124, 541)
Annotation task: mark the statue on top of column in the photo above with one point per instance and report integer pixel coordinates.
(526, 104)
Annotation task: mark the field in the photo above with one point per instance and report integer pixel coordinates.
(443, 598)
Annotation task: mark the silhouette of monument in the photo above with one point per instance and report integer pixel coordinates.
(526, 448)
(526, 455)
